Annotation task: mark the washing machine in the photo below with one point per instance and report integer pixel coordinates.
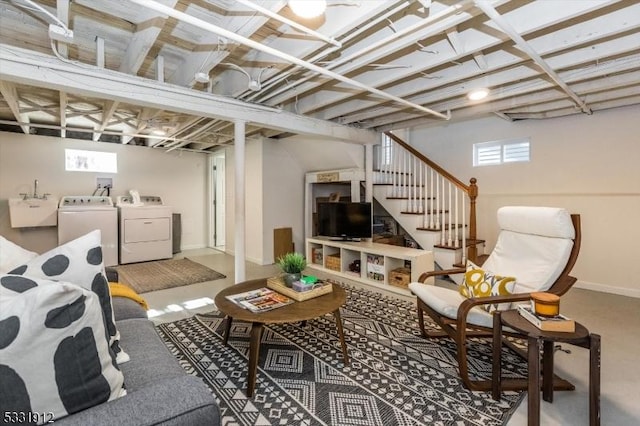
(145, 229)
(81, 214)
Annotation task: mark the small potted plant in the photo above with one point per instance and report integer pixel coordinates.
(292, 264)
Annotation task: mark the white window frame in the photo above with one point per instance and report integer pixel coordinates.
(386, 151)
(501, 152)
(78, 160)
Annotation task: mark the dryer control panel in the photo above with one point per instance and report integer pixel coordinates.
(147, 200)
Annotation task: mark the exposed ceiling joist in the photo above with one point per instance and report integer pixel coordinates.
(290, 58)
(140, 45)
(108, 111)
(63, 114)
(525, 47)
(27, 67)
(62, 11)
(10, 95)
(437, 52)
(454, 40)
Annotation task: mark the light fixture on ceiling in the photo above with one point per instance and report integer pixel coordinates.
(478, 94)
(308, 8)
(201, 77)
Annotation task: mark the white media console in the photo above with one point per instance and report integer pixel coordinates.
(377, 261)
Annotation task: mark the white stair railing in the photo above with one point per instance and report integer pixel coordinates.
(446, 204)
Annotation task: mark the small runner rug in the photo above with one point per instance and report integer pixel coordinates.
(396, 377)
(161, 274)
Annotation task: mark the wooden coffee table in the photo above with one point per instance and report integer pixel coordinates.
(295, 312)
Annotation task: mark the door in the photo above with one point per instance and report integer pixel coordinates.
(217, 215)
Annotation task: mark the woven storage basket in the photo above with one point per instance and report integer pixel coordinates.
(400, 277)
(332, 262)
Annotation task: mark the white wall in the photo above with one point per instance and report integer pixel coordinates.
(253, 201)
(275, 171)
(178, 177)
(587, 164)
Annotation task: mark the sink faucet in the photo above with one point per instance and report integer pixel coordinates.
(35, 193)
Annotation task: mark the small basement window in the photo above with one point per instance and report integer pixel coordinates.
(76, 160)
(499, 152)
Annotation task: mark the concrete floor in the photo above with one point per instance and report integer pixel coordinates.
(615, 318)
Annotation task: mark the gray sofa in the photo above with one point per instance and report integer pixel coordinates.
(159, 391)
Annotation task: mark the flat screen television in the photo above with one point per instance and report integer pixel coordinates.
(344, 221)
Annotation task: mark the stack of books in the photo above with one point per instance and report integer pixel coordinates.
(260, 300)
(555, 323)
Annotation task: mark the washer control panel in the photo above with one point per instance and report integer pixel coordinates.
(85, 201)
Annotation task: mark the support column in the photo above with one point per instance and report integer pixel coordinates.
(240, 227)
(368, 173)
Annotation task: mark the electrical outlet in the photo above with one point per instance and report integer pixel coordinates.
(104, 183)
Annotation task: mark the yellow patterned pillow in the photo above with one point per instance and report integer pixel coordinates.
(480, 283)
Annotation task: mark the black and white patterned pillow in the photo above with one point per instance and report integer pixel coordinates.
(12, 255)
(79, 262)
(54, 354)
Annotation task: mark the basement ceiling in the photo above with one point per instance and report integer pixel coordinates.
(174, 74)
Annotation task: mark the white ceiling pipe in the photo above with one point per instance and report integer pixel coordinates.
(268, 84)
(457, 8)
(289, 22)
(390, 11)
(526, 48)
(266, 49)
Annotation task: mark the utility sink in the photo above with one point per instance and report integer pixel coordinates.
(33, 212)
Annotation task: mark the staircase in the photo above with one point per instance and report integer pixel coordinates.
(435, 208)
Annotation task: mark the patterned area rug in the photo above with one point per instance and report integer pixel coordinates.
(396, 377)
(160, 274)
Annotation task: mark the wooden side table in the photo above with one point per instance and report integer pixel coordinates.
(581, 337)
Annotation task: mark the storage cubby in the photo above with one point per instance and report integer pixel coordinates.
(349, 267)
(316, 255)
(377, 261)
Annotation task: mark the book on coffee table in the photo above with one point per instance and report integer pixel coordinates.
(260, 300)
(555, 323)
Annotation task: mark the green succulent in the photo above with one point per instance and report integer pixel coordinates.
(292, 263)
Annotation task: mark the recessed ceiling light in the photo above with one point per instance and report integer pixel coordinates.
(478, 94)
(308, 8)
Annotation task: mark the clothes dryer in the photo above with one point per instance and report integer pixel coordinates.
(145, 229)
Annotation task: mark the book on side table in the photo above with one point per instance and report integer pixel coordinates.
(260, 300)
(556, 323)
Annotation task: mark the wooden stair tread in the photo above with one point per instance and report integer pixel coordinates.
(469, 243)
(423, 228)
(423, 213)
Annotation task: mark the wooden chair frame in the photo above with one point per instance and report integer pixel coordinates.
(459, 330)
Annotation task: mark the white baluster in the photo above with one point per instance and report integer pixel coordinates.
(450, 239)
(410, 170)
(433, 203)
(394, 174)
(404, 173)
(420, 189)
(457, 236)
(441, 214)
(464, 230)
